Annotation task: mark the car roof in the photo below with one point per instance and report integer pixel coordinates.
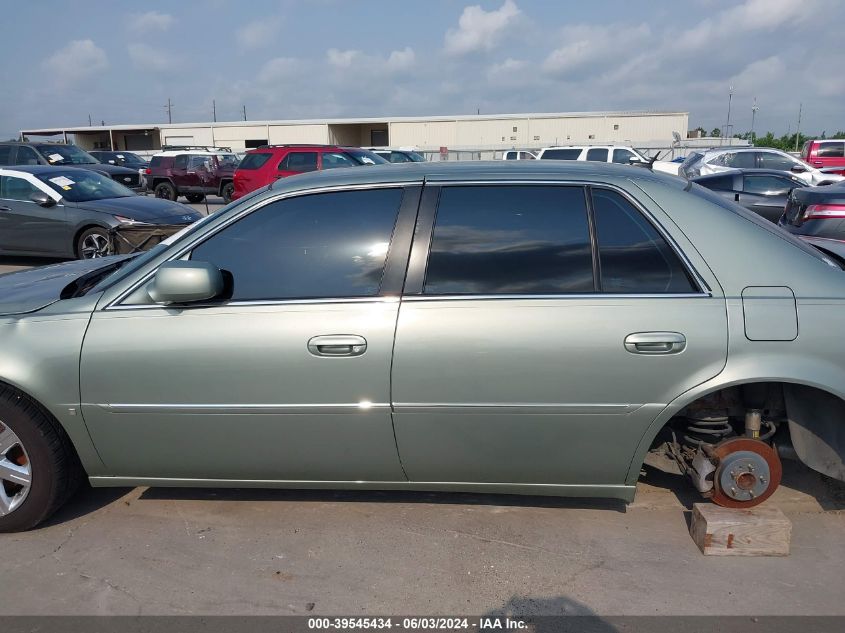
(492, 171)
(587, 147)
(314, 146)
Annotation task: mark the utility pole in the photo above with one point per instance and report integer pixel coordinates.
(728, 123)
(754, 109)
(214, 110)
(798, 129)
(89, 121)
(169, 107)
(244, 113)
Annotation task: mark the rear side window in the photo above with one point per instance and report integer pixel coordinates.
(831, 150)
(634, 258)
(332, 160)
(737, 160)
(510, 240)
(156, 161)
(5, 154)
(26, 156)
(598, 154)
(181, 162)
(315, 246)
(254, 161)
(299, 161)
(511, 155)
(771, 185)
(720, 183)
(561, 154)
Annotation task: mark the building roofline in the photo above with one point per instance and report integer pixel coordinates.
(74, 129)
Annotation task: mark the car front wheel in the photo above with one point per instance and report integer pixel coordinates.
(39, 470)
(93, 243)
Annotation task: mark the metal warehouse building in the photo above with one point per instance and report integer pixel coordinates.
(432, 133)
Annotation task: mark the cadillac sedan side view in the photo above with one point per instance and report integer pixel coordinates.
(512, 327)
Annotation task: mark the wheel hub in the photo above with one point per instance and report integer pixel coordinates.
(748, 473)
(94, 246)
(15, 472)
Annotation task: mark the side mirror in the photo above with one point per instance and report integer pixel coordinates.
(42, 199)
(185, 282)
(798, 169)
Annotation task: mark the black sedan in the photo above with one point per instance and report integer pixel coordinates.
(816, 211)
(122, 159)
(72, 212)
(763, 191)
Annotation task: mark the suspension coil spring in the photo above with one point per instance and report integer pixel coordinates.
(707, 429)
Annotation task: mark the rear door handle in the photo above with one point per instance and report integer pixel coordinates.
(332, 345)
(655, 342)
(5, 208)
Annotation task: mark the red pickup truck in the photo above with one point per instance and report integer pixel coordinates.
(827, 155)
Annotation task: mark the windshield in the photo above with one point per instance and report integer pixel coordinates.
(66, 155)
(365, 158)
(81, 185)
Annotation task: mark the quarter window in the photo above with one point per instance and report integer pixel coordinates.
(510, 240)
(633, 256)
(313, 246)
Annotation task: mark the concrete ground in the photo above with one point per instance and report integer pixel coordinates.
(177, 551)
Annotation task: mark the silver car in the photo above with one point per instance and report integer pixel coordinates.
(714, 161)
(523, 327)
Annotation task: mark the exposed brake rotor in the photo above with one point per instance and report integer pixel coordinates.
(748, 472)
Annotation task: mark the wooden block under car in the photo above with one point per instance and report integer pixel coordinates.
(760, 531)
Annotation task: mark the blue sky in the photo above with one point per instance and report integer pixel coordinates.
(120, 61)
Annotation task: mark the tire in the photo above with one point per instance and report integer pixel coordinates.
(194, 198)
(227, 192)
(93, 243)
(31, 440)
(165, 191)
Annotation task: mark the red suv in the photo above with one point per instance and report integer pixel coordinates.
(829, 156)
(260, 167)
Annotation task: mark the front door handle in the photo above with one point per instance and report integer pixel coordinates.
(337, 345)
(655, 342)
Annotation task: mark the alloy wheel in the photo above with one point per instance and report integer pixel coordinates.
(94, 245)
(15, 472)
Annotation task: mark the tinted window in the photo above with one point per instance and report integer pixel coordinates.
(322, 245)
(254, 161)
(634, 257)
(5, 154)
(201, 162)
(16, 188)
(511, 155)
(299, 161)
(623, 156)
(180, 162)
(510, 239)
(831, 150)
(722, 183)
(771, 185)
(332, 160)
(156, 161)
(769, 160)
(737, 160)
(26, 156)
(399, 157)
(598, 154)
(562, 154)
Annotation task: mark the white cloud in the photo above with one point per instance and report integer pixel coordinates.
(752, 15)
(506, 68)
(587, 47)
(76, 61)
(278, 68)
(349, 59)
(258, 33)
(148, 58)
(151, 21)
(480, 30)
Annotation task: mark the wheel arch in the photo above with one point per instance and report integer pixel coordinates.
(831, 434)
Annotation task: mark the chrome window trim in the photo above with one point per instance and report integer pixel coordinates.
(268, 302)
(250, 208)
(604, 296)
(691, 270)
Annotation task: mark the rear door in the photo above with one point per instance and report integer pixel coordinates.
(179, 172)
(26, 226)
(525, 355)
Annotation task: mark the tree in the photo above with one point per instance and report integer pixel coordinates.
(701, 131)
(716, 132)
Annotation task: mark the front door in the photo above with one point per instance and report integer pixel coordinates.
(525, 354)
(27, 227)
(286, 379)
